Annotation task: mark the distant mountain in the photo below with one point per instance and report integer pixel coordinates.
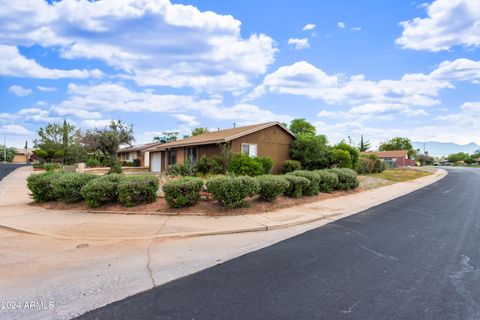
(438, 149)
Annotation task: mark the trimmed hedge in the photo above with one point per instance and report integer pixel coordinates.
(328, 180)
(67, 186)
(232, 191)
(244, 165)
(314, 186)
(41, 186)
(296, 185)
(271, 186)
(206, 165)
(347, 178)
(290, 166)
(101, 190)
(50, 167)
(182, 192)
(266, 163)
(133, 190)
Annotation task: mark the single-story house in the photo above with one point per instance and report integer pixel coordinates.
(128, 154)
(266, 139)
(394, 158)
(22, 155)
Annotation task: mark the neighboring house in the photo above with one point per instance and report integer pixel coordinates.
(394, 158)
(128, 154)
(267, 139)
(22, 155)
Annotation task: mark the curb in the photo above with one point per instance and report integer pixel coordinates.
(438, 175)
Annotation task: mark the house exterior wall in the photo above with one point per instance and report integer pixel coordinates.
(19, 158)
(273, 142)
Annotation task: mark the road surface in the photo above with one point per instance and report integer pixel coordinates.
(6, 168)
(416, 257)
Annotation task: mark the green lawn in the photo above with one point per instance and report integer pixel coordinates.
(399, 175)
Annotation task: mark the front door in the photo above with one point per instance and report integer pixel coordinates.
(156, 162)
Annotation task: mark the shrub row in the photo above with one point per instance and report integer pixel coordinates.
(232, 191)
(95, 190)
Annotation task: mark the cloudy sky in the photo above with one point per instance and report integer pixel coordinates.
(377, 68)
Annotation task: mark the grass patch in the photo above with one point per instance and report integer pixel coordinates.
(400, 175)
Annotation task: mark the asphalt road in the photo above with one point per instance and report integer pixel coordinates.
(6, 168)
(416, 257)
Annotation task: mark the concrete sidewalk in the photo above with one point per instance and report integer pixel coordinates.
(16, 214)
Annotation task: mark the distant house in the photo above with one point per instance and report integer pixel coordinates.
(394, 158)
(22, 155)
(267, 139)
(129, 154)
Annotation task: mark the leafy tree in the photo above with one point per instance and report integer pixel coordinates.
(301, 126)
(10, 153)
(456, 157)
(398, 143)
(167, 137)
(55, 137)
(470, 160)
(197, 131)
(311, 150)
(340, 159)
(424, 159)
(353, 153)
(364, 145)
(109, 139)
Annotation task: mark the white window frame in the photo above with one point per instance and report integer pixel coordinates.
(252, 149)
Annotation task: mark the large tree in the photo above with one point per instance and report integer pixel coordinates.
(311, 150)
(301, 126)
(352, 151)
(60, 142)
(197, 131)
(398, 143)
(109, 139)
(364, 144)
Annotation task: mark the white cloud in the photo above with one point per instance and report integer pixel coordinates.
(186, 120)
(13, 64)
(19, 91)
(341, 25)
(244, 114)
(414, 89)
(37, 115)
(469, 116)
(448, 23)
(14, 129)
(299, 43)
(309, 26)
(92, 124)
(153, 42)
(46, 89)
(357, 28)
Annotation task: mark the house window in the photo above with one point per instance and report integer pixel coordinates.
(172, 157)
(191, 154)
(249, 149)
(127, 156)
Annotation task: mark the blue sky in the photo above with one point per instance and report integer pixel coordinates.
(377, 68)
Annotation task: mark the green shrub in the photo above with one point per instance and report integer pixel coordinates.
(312, 151)
(133, 190)
(92, 162)
(244, 165)
(314, 186)
(67, 186)
(328, 180)
(37, 166)
(205, 165)
(266, 163)
(296, 185)
(271, 186)
(185, 169)
(290, 166)
(347, 178)
(370, 163)
(136, 163)
(101, 190)
(41, 186)
(50, 167)
(116, 168)
(232, 191)
(182, 192)
(340, 159)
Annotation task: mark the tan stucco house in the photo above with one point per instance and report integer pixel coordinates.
(266, 139)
